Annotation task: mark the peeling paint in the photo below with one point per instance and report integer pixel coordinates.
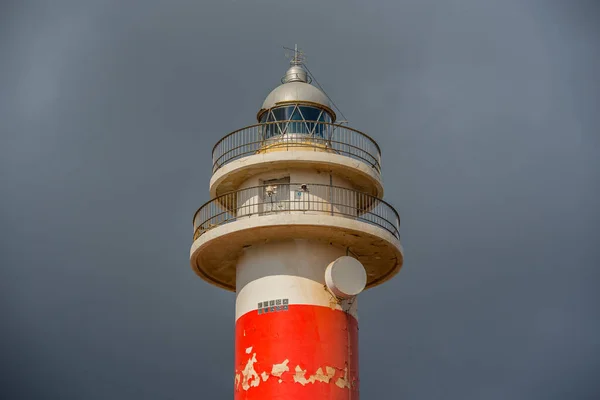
(319, 376)
(299, 376)
(251, 378)
(342, 382)
(249, 350)
(279, 369)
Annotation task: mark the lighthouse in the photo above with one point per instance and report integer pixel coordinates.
(296, 226)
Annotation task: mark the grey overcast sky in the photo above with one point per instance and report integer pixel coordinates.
(487, 113)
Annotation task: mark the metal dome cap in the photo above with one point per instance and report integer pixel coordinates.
(296, 91)
(296, 74)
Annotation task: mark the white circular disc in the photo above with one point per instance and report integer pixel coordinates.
(346, 277)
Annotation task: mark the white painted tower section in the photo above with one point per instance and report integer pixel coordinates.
(292, 269)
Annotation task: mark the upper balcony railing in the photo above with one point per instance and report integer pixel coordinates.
(294, 135)
(288, 198)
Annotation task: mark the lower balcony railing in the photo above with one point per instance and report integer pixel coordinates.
(291, 198)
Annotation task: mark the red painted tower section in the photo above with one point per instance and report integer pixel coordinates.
(309, 352)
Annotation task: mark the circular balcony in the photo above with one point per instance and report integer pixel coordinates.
(365, 225)
(289, 135)
(296, 144)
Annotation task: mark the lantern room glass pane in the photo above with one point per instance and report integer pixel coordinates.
(283, 113)
(297, 117)
(310, 113)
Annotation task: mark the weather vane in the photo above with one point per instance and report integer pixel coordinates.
(298, 56)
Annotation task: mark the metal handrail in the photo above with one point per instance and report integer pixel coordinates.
(318, 135)
(290, 198)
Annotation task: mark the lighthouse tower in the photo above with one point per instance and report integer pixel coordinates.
(297, 228)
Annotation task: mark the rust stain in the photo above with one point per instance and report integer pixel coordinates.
(334, 303)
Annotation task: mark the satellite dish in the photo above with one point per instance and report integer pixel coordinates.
(345, 277)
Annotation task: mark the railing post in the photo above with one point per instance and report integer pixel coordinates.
(331, 192)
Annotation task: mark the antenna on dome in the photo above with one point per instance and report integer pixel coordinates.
(298, 56)
(296, 72)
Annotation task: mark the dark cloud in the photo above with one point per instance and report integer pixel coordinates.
(487, 116)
